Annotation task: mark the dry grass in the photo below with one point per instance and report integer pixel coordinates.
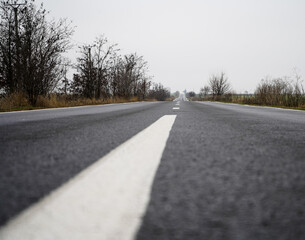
(256, 101)
(13, 102)
(18, 102)
(273, 92)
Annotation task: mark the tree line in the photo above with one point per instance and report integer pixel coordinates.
(285, 91)
(32, 62)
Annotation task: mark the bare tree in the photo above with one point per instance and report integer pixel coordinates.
(7, 49)
(30, 62)
(94, 68)
(159, 92)
(219, 85)
(84, 81)
(129, 77)
(204, 92)
(104, 54)
(65, 83)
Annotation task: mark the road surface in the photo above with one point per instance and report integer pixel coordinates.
(225, 171)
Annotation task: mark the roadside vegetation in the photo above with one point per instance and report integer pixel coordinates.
(276, 92)
(35, 74)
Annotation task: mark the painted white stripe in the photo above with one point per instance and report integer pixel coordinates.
(176, 108)
(104, 202)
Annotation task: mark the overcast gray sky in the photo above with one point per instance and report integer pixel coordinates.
(185, 41)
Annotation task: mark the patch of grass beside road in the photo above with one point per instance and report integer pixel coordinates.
(19, 102)
(251, 100)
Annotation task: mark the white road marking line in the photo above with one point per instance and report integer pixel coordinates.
(105, 201)
(176, 108)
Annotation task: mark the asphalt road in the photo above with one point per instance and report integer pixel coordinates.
(41, 150)
(227, 172)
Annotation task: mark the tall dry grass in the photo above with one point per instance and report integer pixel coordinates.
(283, 100)
(14, 101)
(279, 92)
(19, 101)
